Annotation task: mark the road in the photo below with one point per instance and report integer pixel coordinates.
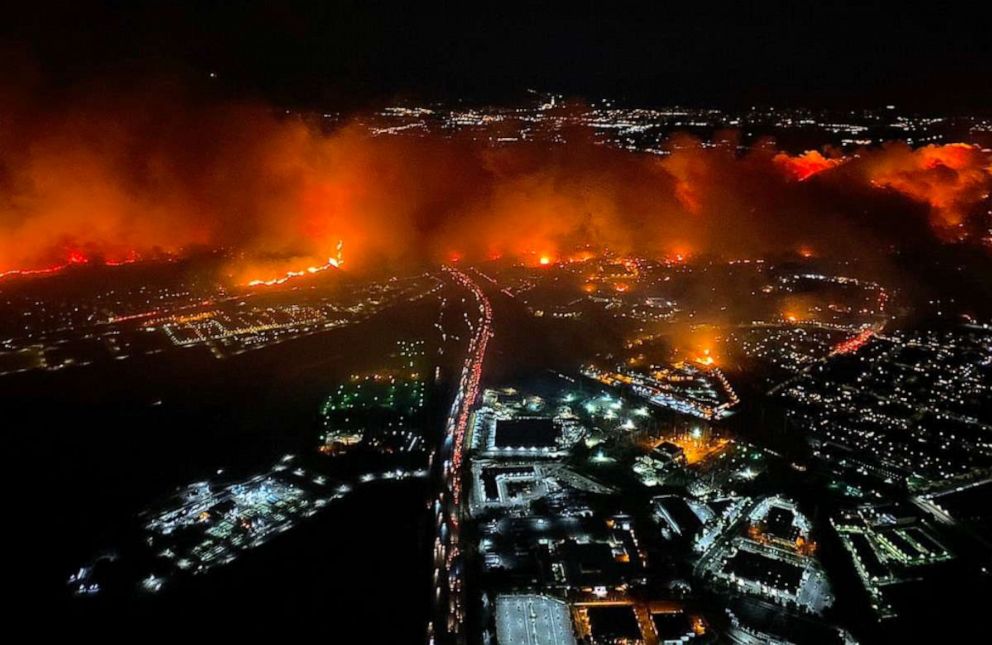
(449, 594)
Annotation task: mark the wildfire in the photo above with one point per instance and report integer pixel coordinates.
(332, 263)
(74, 257)
(854, 343)
(97, 177)
(804, 166)
(700, 345)
(581, 256)
(706, 358)
(130, 258)
(678, 256)
(950, 179)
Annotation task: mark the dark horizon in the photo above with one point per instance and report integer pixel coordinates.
(350, 55)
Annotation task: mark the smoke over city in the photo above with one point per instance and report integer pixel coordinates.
(116, 182)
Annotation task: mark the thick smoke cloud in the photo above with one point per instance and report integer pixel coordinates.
(952, 180)
(150, 174)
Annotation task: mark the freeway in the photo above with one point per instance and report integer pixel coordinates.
(449, 600)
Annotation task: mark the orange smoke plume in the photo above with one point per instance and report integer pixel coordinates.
(951, 179)
(118, 182)
(802, 167)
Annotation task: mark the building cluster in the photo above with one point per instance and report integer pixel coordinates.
(242, 329)
(888, 544)
(213, 522)
(686, 388)
(769, 552)
(208, 524)
(507, 424)
(570, 550)
(550, 119)
(907, 407)
(225, 323)
(519, 443)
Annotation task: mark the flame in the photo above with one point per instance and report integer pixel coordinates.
(581, 256)
(73, 257)
(123, 178)
(802, 167)
(951, 179)
(130, 258)
(332, 263)
(258, 282)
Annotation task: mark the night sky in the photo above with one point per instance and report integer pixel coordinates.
(354, 53)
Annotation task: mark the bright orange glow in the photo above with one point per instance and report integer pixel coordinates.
(271, 282)
(130, 258)
(705, 358)
(950, 178)
(698, 625)
(804, 166)
(700, 345)
(697, 446)
(135, 176)
(805, 547)
(332, 263)
(76, 257)
(581, 256)
(678, 255)
(800, 307)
